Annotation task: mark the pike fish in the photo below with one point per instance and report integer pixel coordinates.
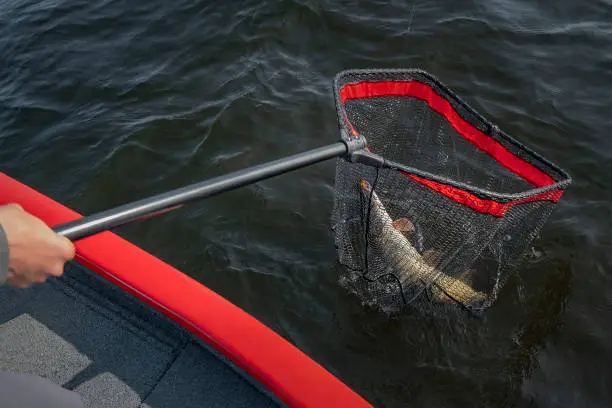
(410, 266)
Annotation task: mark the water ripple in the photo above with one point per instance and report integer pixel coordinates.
(105, 102)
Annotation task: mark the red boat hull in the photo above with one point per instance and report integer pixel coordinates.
(279, 366)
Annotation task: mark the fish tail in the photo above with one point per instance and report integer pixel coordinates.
(448, 289)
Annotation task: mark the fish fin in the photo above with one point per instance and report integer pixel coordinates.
(403, 225)
(431, 257)
(461, 291)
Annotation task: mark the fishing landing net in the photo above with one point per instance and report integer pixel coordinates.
(447, 204)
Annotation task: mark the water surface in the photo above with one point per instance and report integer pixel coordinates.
(106, 102)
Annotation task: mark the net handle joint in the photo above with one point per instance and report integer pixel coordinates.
(353, 143)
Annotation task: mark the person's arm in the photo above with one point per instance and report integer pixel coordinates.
(32, 251)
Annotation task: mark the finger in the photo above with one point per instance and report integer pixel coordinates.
(40, 278)
(16, 206)
(16, 280)
(19, 284)
(56, 270)
(66, 248)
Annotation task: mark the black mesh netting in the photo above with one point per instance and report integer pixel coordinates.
(449, 227)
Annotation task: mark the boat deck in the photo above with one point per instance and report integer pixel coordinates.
(89, 336)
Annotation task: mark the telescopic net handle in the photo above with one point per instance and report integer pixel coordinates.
(164, 202)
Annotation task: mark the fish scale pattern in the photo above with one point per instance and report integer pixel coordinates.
(453, 209)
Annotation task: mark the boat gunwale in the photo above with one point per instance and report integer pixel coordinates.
(279, 366)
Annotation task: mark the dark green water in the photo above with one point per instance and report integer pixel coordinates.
(106, 102)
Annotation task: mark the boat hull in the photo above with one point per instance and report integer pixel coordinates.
(282, 369)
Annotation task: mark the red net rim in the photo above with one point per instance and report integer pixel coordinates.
(419, 90)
